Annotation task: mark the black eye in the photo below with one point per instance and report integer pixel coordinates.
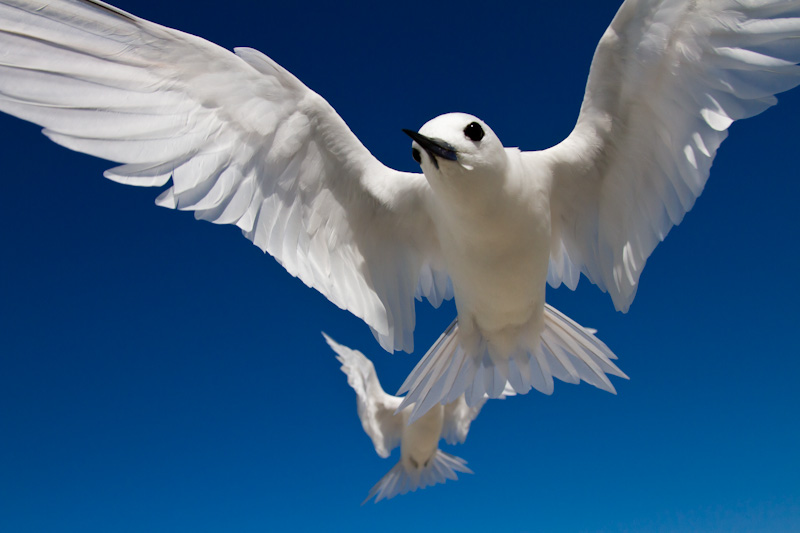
(416, 155)
(474, 131)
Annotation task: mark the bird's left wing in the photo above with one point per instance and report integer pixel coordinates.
(376, 408)
(457, 418)
(243, 141)
(667, 80)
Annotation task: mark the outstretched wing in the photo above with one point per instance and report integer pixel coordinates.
(243, 141)
(375, 407)
(667, 80)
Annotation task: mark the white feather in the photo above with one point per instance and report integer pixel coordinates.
(667, 80)
(243, 141)
(401, 480)
(568, 352)
(375, 408)
(421, 463)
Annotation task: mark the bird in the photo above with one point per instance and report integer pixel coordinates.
(422, 463)
(244, 142)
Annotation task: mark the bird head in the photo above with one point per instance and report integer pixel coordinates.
(457, 145)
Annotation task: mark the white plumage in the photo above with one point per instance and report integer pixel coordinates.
(421, 463)
(568, 351)
(246, 143)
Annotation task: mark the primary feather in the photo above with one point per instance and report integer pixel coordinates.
(666, 82)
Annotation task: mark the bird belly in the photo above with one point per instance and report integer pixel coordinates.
(498, 267)
(420, 439)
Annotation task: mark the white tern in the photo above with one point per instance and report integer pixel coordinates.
(244, 142)
(421, 463)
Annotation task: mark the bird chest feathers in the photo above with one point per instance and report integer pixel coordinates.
(497, 248)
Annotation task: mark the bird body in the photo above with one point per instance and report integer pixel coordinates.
(491, 214)
(492, 227)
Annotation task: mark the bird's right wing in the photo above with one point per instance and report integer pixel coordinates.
(375, 407)
(243, 141)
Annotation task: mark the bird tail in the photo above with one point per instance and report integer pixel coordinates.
(567, 351)
(400, 480)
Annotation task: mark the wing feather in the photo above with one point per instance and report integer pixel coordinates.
(375, 408)
(458, 416)
(667, 80)
(242, 141)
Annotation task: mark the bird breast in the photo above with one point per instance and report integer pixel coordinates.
(497, 254)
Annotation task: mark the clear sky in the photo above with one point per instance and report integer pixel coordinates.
(161, 374)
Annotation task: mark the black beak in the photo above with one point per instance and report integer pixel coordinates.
(434, 147)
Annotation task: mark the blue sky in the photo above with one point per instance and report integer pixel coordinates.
(162, 374)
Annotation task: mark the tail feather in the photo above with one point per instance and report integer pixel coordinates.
(567, 351)
(442, 375)
(399, 480)
(446, 343)
(574, 332)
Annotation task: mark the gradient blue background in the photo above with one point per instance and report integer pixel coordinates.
(162, 374)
